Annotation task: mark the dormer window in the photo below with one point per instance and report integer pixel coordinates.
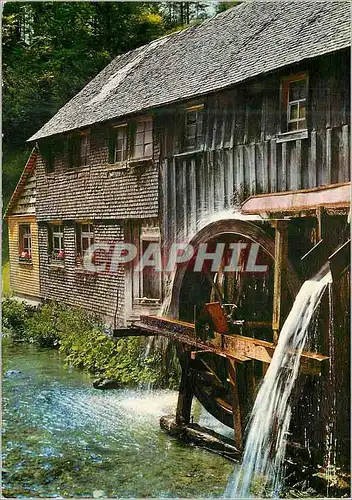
(294, 103)
(193, 131)
(143, 139)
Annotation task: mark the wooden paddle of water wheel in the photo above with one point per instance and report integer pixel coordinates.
(227, 323)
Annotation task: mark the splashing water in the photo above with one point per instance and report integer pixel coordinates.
(268, 426)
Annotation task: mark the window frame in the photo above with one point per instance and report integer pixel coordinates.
(143, 144)
(113, 140)
(198, 145)
(80, 235)
(286, 104)
(144, 234)
(21, 237)
(75, 150)
(56, 230)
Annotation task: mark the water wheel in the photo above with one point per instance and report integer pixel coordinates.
(246, 299)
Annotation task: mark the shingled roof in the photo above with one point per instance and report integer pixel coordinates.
(240, 43)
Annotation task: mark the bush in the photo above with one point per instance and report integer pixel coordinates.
(15, 315)
(81, 339)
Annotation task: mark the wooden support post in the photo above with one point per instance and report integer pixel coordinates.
(185, 394)
(237, 420)
(281, 250)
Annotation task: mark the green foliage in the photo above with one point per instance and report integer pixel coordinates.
(15, 314)
(6, 290)
(222, 6)
(81, 340)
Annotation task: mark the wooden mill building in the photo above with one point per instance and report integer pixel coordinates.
(234, 130)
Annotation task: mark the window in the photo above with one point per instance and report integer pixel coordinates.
(78, 150)
(147, 282)
(25, 243)
(56, 242)
(193, 132)
(118, 144)
(143, 140)
(295, 95)
(84, 239)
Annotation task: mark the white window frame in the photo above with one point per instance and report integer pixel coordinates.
(124, 150)
(86, 234)
(198, 109)
(144, 144)
(57, 231)
(25, 235)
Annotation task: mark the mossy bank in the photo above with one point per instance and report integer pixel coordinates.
(81, 339)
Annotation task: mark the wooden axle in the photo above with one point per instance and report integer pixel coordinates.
(235, 347)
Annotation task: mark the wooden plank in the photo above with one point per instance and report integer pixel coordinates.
(273, 166)
(345, 153)
(327, 176)
(223, 125)
(217, 315)
(265, 166)
(185, 394)
(173, 200)
(220, 181)
(236, 410)
(283, 180)
(296, 172)
(252, 169)
(165, 198)
(185, 199)
(211, 189)
(281, 251)
(312, 162)
(230, 177)
(225, 345)
(193, 196)
(233, 128)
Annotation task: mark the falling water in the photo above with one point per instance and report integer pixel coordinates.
(269, 422)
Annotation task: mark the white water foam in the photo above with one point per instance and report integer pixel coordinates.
(268, 426)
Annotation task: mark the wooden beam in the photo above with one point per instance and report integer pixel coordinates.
(185, 394)
(236, 410)
(231, 346)
(281, 252)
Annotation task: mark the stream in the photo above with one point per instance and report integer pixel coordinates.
(62, 438)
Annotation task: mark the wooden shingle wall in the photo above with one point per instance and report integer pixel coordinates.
(71, 284)
(98, 191)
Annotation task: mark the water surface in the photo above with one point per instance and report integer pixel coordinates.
(61, 437)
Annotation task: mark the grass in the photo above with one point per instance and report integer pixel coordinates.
(6, 279)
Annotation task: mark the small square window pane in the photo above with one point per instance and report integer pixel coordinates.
(140, 127)
(297, 90)
(292, 126)
(85, 243)
(139, 139)
(138, 151)
(302, 110)
(148, 150)
(148, 125)
(121, 133)
(148, 137)
(293, 112)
